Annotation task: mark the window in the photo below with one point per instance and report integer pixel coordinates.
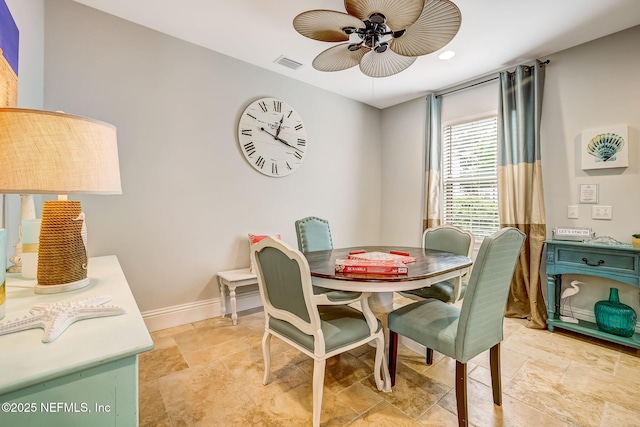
(470, 176)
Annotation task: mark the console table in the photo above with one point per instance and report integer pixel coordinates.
(620, 263)
(89, 374)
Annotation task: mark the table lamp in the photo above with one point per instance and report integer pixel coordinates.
(43, 152)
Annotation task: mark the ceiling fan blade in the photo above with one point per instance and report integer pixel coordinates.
(338, 58)
(399, 13)
(325, 25)
(438, 25)
(384, 64)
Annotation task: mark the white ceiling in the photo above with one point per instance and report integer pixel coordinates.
(495, 34)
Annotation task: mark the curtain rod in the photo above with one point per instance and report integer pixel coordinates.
(468, 86)
(487, 79)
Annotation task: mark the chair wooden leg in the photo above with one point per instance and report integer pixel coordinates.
(266, 355)
(461, 394)
(318, 384)
(393, 354)
(496, 379)
(429, 356)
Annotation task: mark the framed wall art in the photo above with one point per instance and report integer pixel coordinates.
(605, 148)
(8, 58)
(588, 193)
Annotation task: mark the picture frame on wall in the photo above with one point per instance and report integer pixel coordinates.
(588, 193)
(605, 148)
(8, 58)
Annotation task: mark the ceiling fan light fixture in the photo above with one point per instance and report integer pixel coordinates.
(415, 28)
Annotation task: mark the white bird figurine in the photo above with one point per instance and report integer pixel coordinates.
(568, 293)
(572, 289)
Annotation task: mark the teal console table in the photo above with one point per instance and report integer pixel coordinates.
(620, 263)
(88, 376)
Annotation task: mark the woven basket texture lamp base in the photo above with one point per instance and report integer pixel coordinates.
(62, 255)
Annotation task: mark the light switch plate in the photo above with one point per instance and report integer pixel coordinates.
(601, 212)
(572, 211)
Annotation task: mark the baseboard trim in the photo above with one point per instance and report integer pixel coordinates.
(182, 314)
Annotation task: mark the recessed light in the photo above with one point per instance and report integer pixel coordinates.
(447, 54)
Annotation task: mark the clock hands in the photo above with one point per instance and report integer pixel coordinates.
(277, 138)
(279, 126)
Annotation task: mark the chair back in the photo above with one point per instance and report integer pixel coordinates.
(449, 238)
(483, 307)
(284, 280)
(313, 234)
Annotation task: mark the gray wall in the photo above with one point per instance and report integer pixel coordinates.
(189, 197)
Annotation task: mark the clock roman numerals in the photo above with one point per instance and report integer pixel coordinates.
(260, 162)
(274, 168)
(277, 106)
(263, 106)
(301, 142)
(298, 127)
(246, 132)
(249, 148)
(298, 155)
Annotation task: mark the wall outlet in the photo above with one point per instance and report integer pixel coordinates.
(601, 212)
(572, 211)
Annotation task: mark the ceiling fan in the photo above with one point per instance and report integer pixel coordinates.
(383, 36)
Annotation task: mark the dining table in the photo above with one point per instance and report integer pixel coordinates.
(430, 267)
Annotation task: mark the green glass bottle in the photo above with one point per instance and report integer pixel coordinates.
(614, 317)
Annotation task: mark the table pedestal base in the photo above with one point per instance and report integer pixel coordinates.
(381, 304)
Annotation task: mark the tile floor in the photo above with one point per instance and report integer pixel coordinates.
(209, 373)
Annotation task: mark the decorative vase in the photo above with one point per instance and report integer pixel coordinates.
(614, 317)
(635, 242)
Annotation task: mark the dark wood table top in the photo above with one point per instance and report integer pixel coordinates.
(430, 263)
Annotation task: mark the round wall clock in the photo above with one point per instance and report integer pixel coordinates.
(272, 137)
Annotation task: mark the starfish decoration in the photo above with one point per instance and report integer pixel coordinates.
(56, 317)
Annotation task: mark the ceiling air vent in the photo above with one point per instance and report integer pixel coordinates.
(288, 63)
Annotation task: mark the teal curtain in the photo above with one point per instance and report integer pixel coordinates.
(433, 163)
(520, 192)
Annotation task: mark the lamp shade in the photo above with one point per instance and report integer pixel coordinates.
(43, 152)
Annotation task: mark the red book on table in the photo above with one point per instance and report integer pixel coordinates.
(366, 266)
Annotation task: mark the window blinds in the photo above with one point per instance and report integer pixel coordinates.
(470, 176)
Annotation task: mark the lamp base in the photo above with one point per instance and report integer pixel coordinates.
(62, 253)
(55, 289)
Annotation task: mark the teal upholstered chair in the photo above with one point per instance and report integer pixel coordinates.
(447, 238)
(463, 333)
(313, 234)
(315, 325)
